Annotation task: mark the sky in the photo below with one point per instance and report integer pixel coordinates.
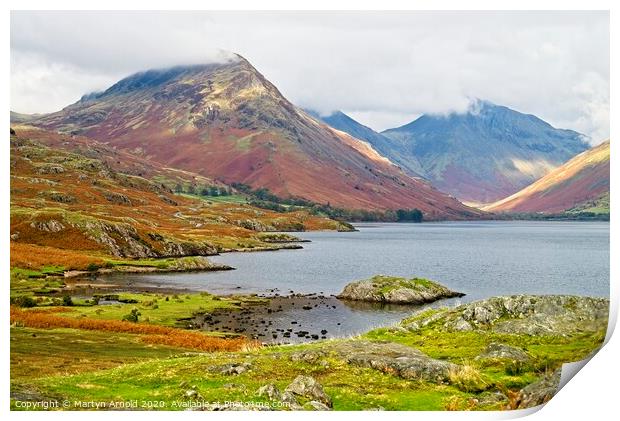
(382, 68)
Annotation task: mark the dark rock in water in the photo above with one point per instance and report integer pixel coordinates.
(390, 289)
(539, 392)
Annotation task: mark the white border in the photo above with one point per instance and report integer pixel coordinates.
(593, 392)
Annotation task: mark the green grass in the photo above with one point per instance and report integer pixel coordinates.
(350, 387)
(161, 309)
(386, 284)
(233, 198)
(39, 353)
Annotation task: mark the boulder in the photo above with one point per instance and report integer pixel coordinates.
(539, 392)
(521, 314)
(308, 387)
(396, 359)
(504, 352)
(395, 290)
(270, 391)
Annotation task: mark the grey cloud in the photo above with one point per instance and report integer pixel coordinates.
(384, 68)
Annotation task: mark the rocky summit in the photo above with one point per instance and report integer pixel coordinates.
(395, 290)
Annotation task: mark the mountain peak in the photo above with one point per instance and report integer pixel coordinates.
(228, 122)
(487, 152)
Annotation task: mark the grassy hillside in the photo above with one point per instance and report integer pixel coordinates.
(76, 203)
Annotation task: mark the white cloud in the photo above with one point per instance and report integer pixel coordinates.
(380, 66)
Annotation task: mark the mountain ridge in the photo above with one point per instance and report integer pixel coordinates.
(486, 153)
(583, 179)
(229, 123)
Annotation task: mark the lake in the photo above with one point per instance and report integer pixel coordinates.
(480, 259)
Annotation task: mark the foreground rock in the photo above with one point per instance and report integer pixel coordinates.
(521, 314)
(388, 357)
(394, 290)
(304, 387)
(539, 392)
(497, 351)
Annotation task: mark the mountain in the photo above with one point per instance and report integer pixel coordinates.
(385, 145)
(581, 184)
(75, 197)
(227, 122)
(484, 154)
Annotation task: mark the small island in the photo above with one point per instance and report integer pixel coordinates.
(396, 290)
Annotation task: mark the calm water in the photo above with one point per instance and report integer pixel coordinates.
(481, 259)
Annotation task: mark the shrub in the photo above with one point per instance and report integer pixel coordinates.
(467, 379)
(92, 267)
(67, 301)
(23, 301)
(133, 316)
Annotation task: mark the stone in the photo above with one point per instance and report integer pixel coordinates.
(316, 406)
(396, 359)
(308, 387)
(394, 290)
(271, 391)
(233, 369)
(539, 392)
(504, 352)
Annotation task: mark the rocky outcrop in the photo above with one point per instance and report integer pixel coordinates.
(497, 351)
(539, 392)
(390, 289)
(388, 357)
(521, 314)
(302, 387)
(308, 387)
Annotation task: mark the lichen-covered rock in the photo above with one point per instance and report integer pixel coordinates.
(232, 369)
(389, 357)
(270, 391)
(48, 226)
(308, 387)
(539, 392)
(499, 351)
(522, 314)
(390, 289)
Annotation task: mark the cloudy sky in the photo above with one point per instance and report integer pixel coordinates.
(382, 68)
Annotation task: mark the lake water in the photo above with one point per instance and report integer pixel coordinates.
(480, 259)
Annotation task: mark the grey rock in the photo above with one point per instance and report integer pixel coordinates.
(462, 325)
(232, 369)
(504, 352)
(290, 399)
(271, 391)
(192, 394)
(523, 314)
(48, 226)
(308, 387)
(539, 392)
(316, 406)
(389, 289)
(392, 358)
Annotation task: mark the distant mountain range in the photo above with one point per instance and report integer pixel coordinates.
(581, 184)
(227, 122)
(482, 155)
